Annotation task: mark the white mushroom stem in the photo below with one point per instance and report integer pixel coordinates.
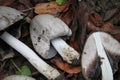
(31, 56)
(107, 73)
(67, 52)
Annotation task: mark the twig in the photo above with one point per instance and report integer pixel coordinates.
(15, 65)
(27, 9)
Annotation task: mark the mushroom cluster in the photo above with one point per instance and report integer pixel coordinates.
(29, 54)
(98, 57)
(45, 30)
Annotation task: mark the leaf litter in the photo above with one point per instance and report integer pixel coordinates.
(83, 17)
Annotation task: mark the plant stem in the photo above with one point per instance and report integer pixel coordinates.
(15, 65)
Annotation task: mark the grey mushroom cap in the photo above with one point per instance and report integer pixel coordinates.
(90, 59)
(18, 77)
(110, 44)
(9, 16)
(44, 28)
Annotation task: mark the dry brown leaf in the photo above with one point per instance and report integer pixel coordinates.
(74, 44)
(67, 17)
(110, 13)
(117, 37)
(3, 75)
(96, 19)
(107, 27)
(91, 27)
(65, 66)
(50, 8)
(6, 2)
(113, 30)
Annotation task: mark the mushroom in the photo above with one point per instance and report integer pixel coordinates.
(9, 16)
(18, 77)
(97, 56)
(29, 54)
(46, 28)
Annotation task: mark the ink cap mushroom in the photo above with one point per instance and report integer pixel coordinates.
(45, 30)
(99, 56)
(48, 71)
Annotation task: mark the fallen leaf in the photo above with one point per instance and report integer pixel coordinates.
(25, 70)
(111, 29)
(116, 19)
(65, 66)
(117, 37)
(91, 27)
(50, 8)
(74, 44)
(67, 17)
(107, 27)
(61, 2)
(96, 19)
(110, 13)
(6, 2)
